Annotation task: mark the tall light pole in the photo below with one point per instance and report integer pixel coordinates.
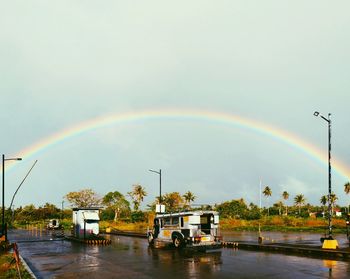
(328, 120)
(160, 184)
(13, 197)
(3, 229)
(62, 211)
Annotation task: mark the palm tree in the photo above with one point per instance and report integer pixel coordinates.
(279, 204)
(267, 193)
(189, 197)
(347, 187)
(299, 200)
(347, 190)
(285, 196)
(173, 201)
(137, 195)
(332, 200)
(323, 201)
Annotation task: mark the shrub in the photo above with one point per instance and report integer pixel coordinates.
(137, 216)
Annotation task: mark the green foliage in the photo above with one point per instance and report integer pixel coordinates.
(118, 207)
(253, 214)
(274, 210)
(188, 197)
(137, 216)
(8, 267)
(66, 223)
(233, 209)
(107, 215)
(267, 192)
(83, 198)
(347, 187)
(285, 195)
(173, 201)
(137, 195)
(299, 200)
(117, 202)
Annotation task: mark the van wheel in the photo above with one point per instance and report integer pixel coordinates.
(177, 241)
(150, 238)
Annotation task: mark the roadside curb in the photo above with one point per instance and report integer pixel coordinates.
(26, 266)
(125, 233)
(291, 249)
(90, 241)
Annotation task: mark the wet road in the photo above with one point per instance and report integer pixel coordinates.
(305, 238)
(129, 257)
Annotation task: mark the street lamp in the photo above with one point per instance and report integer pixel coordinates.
(160, 184)
(62, 211)
(3, 229)
(328, 120)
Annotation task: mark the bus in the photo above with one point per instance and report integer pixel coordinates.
(195, 229)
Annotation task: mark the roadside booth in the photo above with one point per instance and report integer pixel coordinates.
(85, 222)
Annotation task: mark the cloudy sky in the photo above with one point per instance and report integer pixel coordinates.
(64, 63)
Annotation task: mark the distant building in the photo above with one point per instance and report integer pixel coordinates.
(337, 212)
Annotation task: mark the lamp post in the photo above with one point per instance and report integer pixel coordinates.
(160, 184)
(3, 229)
(328, 120)
(62, 211)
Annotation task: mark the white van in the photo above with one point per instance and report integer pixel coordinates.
(196, 229)
(53, 224)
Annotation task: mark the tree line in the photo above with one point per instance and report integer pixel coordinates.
(300, 200)
(115, 205)
(118, 204)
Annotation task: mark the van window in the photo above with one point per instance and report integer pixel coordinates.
(167, 221)
(175, 221)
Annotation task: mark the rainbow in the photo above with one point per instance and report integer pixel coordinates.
(176, 114)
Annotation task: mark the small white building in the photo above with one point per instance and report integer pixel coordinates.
(85, 221)
(337, 212)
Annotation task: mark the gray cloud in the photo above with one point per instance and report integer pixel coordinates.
(276, 62)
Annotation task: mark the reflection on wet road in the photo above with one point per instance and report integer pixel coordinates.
(304, 238)
(129, 257)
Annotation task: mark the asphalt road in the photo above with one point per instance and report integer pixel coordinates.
(129, 257)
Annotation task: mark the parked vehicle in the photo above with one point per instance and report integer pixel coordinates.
(195, 229)
(53, 224)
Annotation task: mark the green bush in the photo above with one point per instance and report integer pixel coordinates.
(107, 215)
(137, 216)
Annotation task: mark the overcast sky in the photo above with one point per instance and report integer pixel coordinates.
(276, 62)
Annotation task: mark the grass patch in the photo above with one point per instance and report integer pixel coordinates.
(124, 226)
(8, 267)
(272, 223)
(283, 224)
